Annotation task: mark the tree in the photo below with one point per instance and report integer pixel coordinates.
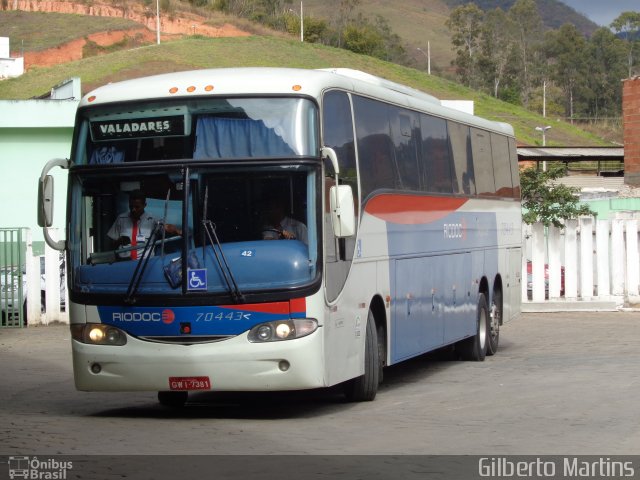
(567, 48)
(363, 38)
(526, 18)
(495, 47)
(548, 202)
(465, 24)
(606, 63)
(628, 24)
(343, 12)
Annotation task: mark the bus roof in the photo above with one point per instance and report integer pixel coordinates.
(278, 81)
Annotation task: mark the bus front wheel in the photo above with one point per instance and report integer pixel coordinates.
(365, 387)
(475, 348)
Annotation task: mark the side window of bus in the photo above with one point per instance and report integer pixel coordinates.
(337, 127)
(482, 163)
(515, 173)
(460, 143)
(376, 155)
(405, 127)
(436, 160)
(501, 166)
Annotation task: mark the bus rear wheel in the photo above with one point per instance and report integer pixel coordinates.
(173, 399)
(494, 324)
(475, 348)
(365, 387)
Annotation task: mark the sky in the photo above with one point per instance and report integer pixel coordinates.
(603, 12)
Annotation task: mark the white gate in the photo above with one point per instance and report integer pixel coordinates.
(47, 296)
(589, 260)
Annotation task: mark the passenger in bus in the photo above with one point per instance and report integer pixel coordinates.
(134, 227)
(279, 226)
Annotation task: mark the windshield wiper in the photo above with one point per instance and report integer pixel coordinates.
(209, 229)
(141, 265)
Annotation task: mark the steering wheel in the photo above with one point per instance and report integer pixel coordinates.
(271, 234)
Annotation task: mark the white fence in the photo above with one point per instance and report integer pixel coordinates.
(48, 278)
(589, 260)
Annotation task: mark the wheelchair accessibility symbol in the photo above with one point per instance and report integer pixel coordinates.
(197, 278)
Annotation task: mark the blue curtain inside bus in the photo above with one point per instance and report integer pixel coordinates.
(237, 137)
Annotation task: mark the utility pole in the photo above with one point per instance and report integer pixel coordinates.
(158, 22)
(544, 142)
(544, 99)
(428, 55)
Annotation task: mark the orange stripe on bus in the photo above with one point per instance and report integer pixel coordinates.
(412, 209)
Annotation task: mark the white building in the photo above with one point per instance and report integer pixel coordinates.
(9, 67)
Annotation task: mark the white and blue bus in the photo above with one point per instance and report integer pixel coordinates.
(411, 217)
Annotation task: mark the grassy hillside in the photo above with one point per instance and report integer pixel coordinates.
(34, 31)
(415, 21)
(197, 53)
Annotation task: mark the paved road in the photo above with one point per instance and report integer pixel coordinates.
(560, 384)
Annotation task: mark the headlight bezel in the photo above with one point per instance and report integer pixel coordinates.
(282, 330)
(98, 334)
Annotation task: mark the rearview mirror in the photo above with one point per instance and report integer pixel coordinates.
(45, 201)
(342, 211)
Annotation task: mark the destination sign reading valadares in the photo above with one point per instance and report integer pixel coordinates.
(137, 128)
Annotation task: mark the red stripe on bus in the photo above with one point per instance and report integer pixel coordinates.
(271, 307)
(296, 305)
(412, 209)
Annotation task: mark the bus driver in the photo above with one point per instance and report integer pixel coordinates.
(135, 226)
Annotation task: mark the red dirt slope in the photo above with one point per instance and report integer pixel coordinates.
(177, 25)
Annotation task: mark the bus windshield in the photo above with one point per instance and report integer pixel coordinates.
(135, 228)
(199, 129)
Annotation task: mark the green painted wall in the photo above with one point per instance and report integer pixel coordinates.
(23, 153)
(608, 208)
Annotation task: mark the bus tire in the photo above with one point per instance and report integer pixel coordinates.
(173, 399)
(365, 387)
(495, 319)
(475, 348)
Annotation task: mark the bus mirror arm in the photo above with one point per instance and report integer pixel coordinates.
(45, 201)
(330, 153)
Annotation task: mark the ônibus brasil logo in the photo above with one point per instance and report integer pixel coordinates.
(33, 468)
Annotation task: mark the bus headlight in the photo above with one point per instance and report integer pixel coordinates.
(283, 330)
(98, 334)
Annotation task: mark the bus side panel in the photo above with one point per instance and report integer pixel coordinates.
(460, 307)
(512, 295)
(417, 314)
(345, 325)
